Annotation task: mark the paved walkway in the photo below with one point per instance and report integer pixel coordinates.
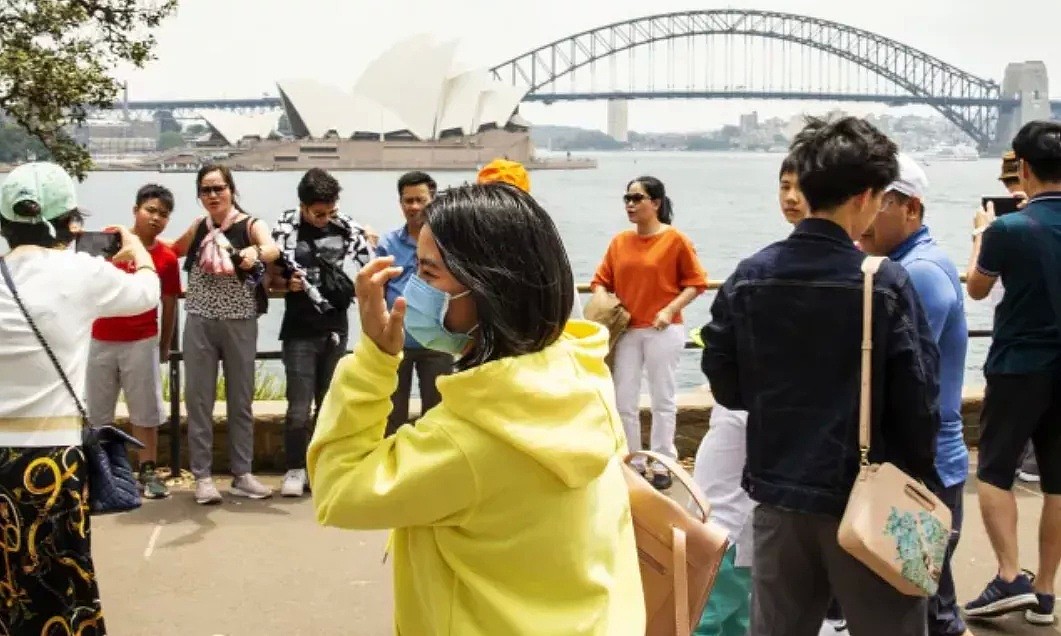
(265, 568)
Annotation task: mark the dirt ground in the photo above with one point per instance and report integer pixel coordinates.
(265, 568)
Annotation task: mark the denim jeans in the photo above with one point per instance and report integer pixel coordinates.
(944, 617)
(308, 364)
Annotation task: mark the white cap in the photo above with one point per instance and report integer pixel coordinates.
(912, 180)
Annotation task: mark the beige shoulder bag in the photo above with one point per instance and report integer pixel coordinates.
(893, 524)
(679, 553)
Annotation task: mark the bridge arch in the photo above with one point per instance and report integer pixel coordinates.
(961, 97)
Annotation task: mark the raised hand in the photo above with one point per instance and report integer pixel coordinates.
(385, 328)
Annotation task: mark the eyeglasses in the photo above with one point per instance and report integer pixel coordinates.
(636, 197)
(206, 191)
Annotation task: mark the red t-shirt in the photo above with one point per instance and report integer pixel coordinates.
(145, 325)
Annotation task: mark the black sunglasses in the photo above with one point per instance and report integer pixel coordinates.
(637, 197)
(206, 191)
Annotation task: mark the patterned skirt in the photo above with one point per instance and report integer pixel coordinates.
(47, 582)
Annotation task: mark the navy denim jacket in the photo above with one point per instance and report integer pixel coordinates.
(784, 344)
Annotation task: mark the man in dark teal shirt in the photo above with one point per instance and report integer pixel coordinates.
(1023, 372)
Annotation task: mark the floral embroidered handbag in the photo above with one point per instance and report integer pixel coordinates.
(893, 524)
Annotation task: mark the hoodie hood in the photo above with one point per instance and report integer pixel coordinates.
(557, 405)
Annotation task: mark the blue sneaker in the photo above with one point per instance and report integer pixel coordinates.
(1043, 613)
(1000, 597)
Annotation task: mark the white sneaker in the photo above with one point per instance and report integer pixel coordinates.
(206, 492)
(249, 486)
(294, 483)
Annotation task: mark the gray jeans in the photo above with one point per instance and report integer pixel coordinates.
(309, 364)
(233, 343)
(429, 365)
(799, 566)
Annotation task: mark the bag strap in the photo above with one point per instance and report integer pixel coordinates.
(681, 583)
(870, 265)
(40, 337)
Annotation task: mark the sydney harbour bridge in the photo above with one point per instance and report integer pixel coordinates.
(747, 54)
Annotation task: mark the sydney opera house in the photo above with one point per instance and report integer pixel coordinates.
(407, 110)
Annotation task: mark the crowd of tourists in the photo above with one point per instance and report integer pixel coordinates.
(505, 492)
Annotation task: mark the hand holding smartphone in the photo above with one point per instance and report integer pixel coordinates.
(1003, 205)
(104, 244)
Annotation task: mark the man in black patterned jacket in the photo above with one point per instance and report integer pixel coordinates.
(315, 242)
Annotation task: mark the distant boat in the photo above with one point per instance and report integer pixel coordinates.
(949, 153)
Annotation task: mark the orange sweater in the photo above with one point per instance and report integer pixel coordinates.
(648, 272)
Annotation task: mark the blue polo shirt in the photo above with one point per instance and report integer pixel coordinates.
(940, 291)
(399, 244)
(1025, 337)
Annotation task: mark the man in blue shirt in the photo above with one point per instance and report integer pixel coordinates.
(416, 190)
(898, 232)
(1023, 373)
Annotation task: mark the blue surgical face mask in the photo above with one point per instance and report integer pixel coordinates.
(425, 317)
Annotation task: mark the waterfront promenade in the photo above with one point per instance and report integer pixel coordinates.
(265, 568)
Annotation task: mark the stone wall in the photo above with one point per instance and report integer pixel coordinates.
(694, 412)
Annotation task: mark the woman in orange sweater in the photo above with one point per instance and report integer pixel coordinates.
(655, 272)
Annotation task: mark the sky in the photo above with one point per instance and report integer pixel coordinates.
(240, 48)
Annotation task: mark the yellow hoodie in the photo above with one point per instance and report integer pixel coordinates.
(511, 513)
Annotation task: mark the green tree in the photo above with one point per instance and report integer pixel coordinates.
(17, 145)
(170, 139)
(56, 57)
(195, 129)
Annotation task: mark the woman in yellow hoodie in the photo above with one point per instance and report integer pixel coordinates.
(509, 506)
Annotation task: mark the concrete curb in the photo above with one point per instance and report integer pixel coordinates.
(694, 414)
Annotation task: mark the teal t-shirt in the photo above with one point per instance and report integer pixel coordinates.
(1026, 338)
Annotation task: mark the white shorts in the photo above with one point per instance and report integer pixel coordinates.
(132, 367)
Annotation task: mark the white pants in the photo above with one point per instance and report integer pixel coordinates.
(656, 352)
(719, 467)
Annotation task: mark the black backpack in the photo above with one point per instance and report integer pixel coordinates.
(336, 287)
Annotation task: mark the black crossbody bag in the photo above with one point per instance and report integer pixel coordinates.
(112, 487)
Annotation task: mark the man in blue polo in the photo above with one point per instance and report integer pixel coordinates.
(899, 232)
(416, 190)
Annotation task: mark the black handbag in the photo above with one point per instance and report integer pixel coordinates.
(112, 487)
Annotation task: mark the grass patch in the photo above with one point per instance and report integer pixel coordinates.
(267, 386)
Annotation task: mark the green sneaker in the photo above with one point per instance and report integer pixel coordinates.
(150, 482)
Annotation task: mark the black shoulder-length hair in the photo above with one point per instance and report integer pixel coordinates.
(500, 244)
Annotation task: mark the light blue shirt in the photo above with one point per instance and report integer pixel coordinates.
(935, 278)
(399, 244)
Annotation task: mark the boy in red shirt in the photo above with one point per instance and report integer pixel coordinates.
(126, 352)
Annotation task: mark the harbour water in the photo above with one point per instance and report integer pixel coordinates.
(726, 202)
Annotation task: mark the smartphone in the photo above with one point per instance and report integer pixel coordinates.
(105, 244)
(1003, 205)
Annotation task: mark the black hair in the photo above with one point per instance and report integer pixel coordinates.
(788, 166)
(1039, 144)
(416, 178)
(500, 244)
(40, 234)
(317, 186)
(656, 192)
(842, 159)
(226, 175)
(155, 191)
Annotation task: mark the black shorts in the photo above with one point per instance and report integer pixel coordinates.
(1018, 408)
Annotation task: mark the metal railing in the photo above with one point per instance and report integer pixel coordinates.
(176, 356)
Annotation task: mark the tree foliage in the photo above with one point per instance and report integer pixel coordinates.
(169, 140)
(17, 145)
(56, 57)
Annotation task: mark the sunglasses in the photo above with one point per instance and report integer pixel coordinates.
(637, 197)
(206, 191)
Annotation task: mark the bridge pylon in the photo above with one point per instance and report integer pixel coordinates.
(1028, 84)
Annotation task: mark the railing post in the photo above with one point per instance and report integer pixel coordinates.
(175, 399)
